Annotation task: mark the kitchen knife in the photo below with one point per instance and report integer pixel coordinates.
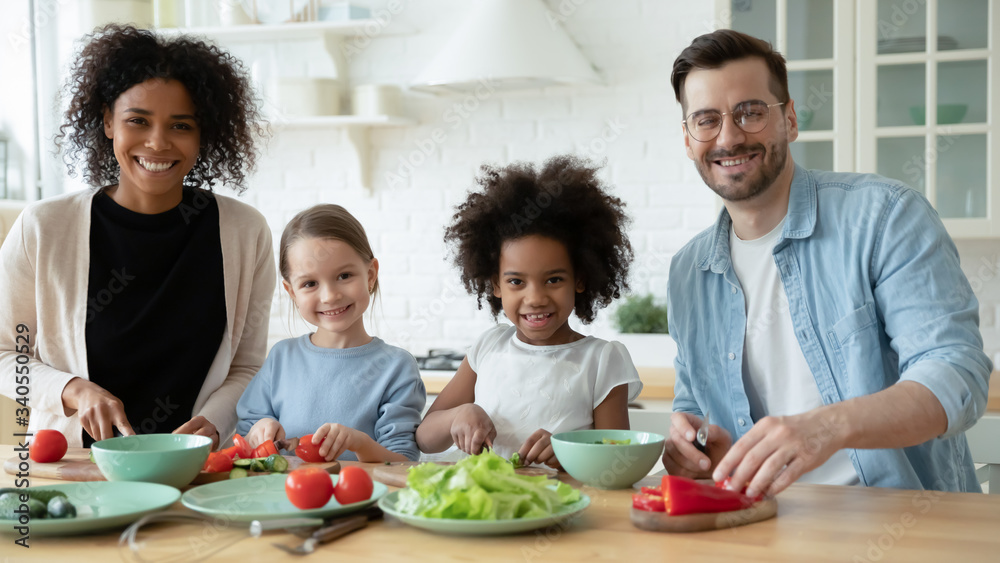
(701, 438)
(288, 444)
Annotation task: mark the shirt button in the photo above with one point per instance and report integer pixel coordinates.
(732, 356)
(742, 422)
(732, 289)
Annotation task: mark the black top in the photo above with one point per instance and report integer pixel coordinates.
(156, 307)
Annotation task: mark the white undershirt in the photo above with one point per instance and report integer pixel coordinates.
(775, 373)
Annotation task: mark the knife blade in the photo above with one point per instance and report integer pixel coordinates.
(288, 444)
(701, 438)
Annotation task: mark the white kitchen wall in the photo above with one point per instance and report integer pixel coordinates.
(420, 173)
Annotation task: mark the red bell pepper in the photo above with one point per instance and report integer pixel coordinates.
(680, 495)
(265, 449)
(230, 452)
(243, 449)
(216, 462)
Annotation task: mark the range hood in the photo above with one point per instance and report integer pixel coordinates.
(510, 45)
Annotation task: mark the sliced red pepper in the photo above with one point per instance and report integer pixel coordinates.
(229, 452)
(269, 448)
(656, 491)
(243, 448)
(687, 496)
(649, 503)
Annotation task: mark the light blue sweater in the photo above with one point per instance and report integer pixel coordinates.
(375, 388)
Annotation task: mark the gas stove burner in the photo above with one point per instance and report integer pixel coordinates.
(445, 360)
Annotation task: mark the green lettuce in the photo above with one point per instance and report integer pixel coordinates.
(481, 487)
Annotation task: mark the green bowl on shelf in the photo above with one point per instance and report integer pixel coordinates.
(168, 459)
(947, 114)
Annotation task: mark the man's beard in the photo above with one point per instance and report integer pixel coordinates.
(739, 187)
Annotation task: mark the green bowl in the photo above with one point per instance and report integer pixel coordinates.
(607, 466)
(947, 114)
(169, 459)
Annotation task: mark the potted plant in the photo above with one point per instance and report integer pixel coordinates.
(642, 324)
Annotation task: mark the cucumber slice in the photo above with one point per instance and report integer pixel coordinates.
(237, 473)
(259, 464)
(276, 463)
(242, 462)
(60, 507)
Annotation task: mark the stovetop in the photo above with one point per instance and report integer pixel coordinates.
(445, 360)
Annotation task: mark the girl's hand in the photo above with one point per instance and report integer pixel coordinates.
(335, 439)
(472, 428)
(200, 426)
(538, 449)
(263, 430)
(100, 412)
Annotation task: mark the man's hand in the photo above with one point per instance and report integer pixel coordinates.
(538, 449)
(200, 426)
(472, 428)
(263, 430)
(778, 450)
(680, 457)
(100, 412)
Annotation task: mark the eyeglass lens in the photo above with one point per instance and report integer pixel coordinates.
(750, 116)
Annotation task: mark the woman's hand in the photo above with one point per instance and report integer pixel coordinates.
(538, 449)
(472, 428)
(263, 430)
(100, 412)
(200, 426)
(335, 439)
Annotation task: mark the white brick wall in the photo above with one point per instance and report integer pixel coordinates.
(633, 43)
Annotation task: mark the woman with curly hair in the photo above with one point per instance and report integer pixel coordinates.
(142, 305)
(538, 245)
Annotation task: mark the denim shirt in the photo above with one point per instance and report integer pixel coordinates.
(876, 296)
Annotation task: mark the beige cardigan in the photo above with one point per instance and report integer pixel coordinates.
(45, 262)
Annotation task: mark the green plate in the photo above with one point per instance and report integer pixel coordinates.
(263, 497)
(100, 505)
(482, 527)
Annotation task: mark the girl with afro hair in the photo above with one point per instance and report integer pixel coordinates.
(142, 304)
(538, 245)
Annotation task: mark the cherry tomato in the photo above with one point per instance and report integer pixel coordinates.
(309, 487)
(353, 485)
(243, 449)
(308, 451)
(48, 446)
(216, 462)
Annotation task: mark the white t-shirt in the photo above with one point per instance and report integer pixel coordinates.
(524, 387)
(776, 377)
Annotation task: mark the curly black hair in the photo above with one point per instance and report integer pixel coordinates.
(116, 57)
(564, 201)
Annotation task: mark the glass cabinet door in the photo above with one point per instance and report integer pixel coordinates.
(816, 38)
(924, 110)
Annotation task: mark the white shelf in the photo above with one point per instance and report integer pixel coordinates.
(291, 30)
(325, 121)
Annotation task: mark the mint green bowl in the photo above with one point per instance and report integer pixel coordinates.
(607, 466)
(168, 459)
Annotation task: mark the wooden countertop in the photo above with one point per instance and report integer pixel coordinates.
(658, 384)
(814, 522)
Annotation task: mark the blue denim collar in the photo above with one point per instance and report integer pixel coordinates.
(800, 222)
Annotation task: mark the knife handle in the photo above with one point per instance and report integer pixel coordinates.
(701, 448)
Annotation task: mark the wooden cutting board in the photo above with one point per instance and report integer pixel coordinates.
(76, 466)
(661, 522)
(394, 474)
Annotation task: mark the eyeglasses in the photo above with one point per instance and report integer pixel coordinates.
(750, 116)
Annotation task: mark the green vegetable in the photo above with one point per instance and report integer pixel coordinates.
(92, 460)
(10, 500)
(276, 463)
(481, 487)
(237, 473)
(606, 441)
(60, 507)
(515, 460)
(36, 508)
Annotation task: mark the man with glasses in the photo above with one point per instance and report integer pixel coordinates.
(823, 320)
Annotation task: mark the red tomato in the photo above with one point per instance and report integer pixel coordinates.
(243, 449)
(48, 446)
(216, 462)
(230, 452)
(655, 491)
(353, 485)
(309, 487)
(307, 451)
(269, 448)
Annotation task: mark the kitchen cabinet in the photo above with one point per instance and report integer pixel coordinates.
(340, 39)
(902, 88)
